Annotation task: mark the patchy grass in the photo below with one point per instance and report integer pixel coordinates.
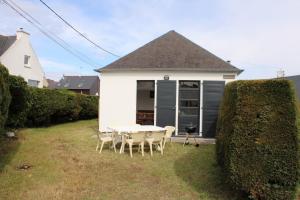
(64, 165)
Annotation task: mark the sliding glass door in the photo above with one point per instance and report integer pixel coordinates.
(189, 106)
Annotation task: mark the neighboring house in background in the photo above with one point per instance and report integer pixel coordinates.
(80, 84)
(17, 54)
(51, 84)
(169, 81)
(296, 80)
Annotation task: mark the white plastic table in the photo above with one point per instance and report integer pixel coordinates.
(133, 129)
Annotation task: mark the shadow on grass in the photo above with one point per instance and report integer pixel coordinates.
(199, 170)
(8, 149)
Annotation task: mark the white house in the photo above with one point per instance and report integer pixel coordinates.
(17, 54)
(169, 81)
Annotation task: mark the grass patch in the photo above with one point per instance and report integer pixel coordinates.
(64, 165)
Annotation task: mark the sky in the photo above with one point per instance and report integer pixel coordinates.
(259, 36)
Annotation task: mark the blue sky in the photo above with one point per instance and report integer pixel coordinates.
(259, 36)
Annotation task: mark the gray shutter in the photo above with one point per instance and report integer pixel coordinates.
(166, 103)
(212, 96)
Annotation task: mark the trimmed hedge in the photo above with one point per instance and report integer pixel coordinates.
(58, 106)
(257, 138)
(89, 105)
(20, 103)
(5, 97)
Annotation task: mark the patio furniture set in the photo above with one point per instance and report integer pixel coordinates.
(135, 135)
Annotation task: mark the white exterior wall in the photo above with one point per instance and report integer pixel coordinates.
(118, 93)
(13, 59)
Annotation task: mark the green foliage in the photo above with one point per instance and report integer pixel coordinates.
(5, 97)
(89, 105)
(257, 138)
(58, 106)
(20, 103)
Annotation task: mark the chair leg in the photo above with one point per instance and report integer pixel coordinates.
(130, 149)
(165, 140)
(97, 147)
(161, 148)
(114, 145)
(142, 146)
(122, 145)
(150, 144)
(102, 143)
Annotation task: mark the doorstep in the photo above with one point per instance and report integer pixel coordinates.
(199, 140)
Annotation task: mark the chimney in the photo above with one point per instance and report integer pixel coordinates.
(22, 34)
(280, 73)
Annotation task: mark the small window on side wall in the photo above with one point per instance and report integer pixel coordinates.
(33, 83)
(26, 60)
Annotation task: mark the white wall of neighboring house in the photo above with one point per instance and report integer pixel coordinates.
(13, 59)
(118, 93)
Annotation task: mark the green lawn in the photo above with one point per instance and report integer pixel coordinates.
(66, 166)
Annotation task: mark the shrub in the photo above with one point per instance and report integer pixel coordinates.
(20, 102)
(68, 107)
(5, 97)
(52, 106)
(58, 106)
(257, 138)
(89, 105)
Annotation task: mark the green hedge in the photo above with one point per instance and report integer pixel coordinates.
(89, 105)
(5, 97)
(20, 103)
(257, 138)
(58, 106)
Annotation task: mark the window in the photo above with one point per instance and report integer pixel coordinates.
(26, 60)
(189, 84)
(33, 83)
(228, 76)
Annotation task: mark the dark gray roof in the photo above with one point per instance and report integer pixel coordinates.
(51, 83)
(6, 42)
(77, 82)
(172, 52)
(296, 80)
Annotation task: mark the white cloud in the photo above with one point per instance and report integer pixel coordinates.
(55, 70)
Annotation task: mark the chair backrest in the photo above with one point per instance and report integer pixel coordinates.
(137, 136)
(169, 131)
(158, 135)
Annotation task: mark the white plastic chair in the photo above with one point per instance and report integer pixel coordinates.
(168, 136)
(105, 137)
(137, 138)
(156, 138)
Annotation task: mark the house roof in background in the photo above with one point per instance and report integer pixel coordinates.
(171, 52)
(296, 81)
(77, 82)
(6, 42)
(51, 83)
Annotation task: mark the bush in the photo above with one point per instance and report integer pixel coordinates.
(58, 106)
(5, 97)
(257, 138)
(51, 106)
(67, 107)
(89, 105)
(20, 102)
